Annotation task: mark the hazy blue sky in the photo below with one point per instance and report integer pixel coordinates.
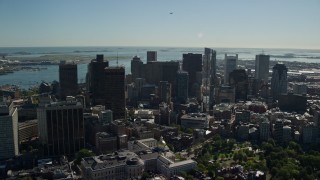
(194, 23)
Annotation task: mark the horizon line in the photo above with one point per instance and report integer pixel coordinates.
(49, 46)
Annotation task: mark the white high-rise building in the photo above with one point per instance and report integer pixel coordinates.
(262, 67)
(9, 146)
(279, 80)
(230, 64)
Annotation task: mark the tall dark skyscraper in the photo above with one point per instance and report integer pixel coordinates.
(153, 72)
(61, 127)
(278, 131)
(165, 91)
(68, 78)
(262, 67)
(206, 64)
(182, 86)
(239, 80)
(230, 64)
(95, 79)
(156, 71)
(151, 56)
(213, 65)
(114, 91)
(169, 73)
(279, 80)
(210, 57)
(192, 63)
(136, 68)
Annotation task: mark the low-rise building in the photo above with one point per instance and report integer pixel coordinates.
(222, 111)
(309, 133)
(243, 131)
(121, 165)
(287, 134)
(299, 88)
(106, 142)
(242, 116)
(195, 120)
(169, 168)
(28, 130)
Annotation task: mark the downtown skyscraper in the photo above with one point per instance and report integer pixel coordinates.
(262, 67)
(61, 127)
(182, 86)
(68, 79)
(114, 91)
(210, 70)
(137, 68)
(230, 64)
(279, 80)
(95, 79)
(192, 63)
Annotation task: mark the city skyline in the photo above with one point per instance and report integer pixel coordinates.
(249, 24)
